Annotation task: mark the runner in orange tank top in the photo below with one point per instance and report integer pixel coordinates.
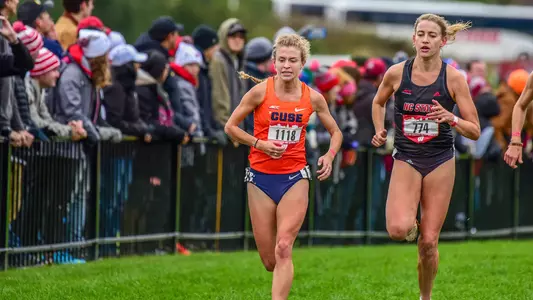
(278, 176)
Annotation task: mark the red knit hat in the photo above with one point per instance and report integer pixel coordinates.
(45, 62)
(93, 23)
(29, 37)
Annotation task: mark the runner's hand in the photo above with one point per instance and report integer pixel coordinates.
(325, 162)
(513, 155)
(379, 138)
(272, 149)
(440, 114)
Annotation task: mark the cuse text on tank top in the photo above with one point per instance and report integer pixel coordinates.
(415, 134)
(285, 123)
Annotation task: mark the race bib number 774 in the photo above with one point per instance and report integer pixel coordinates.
(419, 129)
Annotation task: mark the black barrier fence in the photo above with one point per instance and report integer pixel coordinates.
(64, 202)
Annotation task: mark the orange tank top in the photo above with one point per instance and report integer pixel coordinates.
(285, 123)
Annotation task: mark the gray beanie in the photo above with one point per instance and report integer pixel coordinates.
(259, 49)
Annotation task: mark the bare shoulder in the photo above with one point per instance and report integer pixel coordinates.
(257, 93)
(454, 75)
(393, 76)
(317, 100)
(456, 81)
(395, 71)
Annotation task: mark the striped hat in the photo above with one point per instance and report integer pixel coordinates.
(45, 62)
(29, 37)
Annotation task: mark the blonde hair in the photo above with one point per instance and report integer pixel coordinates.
(447, 30)
(293, 40)
(101, 71)
(285, 40)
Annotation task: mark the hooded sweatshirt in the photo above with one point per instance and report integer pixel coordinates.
(227, 88)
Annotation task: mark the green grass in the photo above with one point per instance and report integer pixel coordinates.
(476, 270)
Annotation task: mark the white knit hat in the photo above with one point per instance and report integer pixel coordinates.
(45, 62)
(94, 43)
(188, 54)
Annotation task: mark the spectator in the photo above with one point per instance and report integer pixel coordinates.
(78, 96)
(154, 104)
(206, 41)
(15, 60)
(161, 36)
(33, 42)
(67, 25)
(508, 94)
(43, 76)
(33, 14)
(476, 68)
(258, 59)
(228, 89)
(120, 99)
(190, 59)
(487, 107)
(368, 86)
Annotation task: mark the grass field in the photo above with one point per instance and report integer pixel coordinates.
(475, 270)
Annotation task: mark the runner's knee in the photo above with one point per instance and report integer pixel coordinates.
(427, 246)
(398, 231)
(284, 248)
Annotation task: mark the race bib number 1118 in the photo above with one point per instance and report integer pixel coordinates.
(286, 134)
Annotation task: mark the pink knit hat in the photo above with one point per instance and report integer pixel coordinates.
(29, 37)
(45, 62)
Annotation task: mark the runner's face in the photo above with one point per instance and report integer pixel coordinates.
(288, 63)
(428, 39)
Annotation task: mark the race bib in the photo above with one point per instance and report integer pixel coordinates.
(419, 129)
(284, 133)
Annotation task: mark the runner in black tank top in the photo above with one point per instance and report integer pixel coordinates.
(419, 141)
(426, 90)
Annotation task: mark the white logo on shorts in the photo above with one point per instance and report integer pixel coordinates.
(292, 177)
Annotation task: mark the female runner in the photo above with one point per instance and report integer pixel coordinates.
(513, 155)
(278, 177)
(425, 91)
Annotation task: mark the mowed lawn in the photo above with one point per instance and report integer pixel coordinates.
(475, 270)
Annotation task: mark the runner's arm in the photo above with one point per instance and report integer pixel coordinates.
(520, 108)
(385, 91)
(468, 126)
(322, 111)
(249, 102)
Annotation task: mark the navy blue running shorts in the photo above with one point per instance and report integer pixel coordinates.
(276, 185)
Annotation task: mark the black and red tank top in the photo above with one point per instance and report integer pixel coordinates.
(415, 134)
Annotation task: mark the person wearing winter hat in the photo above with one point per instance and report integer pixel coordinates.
(228, 89)
(206, 41)
(85, 73)
(33, 42)
(190, 59)
(161, 36)
(31, 13)
(375, 69)
(67, 25)
(258, 60)
(120, 99)
(154, 103)
(44, 76)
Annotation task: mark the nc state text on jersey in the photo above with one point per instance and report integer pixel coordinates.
(423, 108)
